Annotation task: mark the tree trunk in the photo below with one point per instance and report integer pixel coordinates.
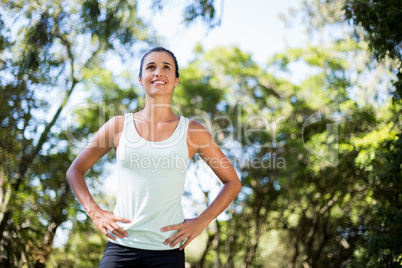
(57, 219)
(260, 222)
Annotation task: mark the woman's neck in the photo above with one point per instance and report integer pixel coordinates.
(157, 110)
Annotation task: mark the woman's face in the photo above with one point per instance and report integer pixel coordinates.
(158, 74)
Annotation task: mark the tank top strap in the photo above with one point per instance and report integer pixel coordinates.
(180, 132)
(128, 119)
(184, 129)
(130, 134)
(128, 116)
(129, 124)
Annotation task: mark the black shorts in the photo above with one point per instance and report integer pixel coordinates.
(120, 256)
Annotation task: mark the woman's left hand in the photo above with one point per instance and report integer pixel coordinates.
(189, 229)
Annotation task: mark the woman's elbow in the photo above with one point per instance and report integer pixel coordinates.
(69, 175)
(239, 186)
(236, 186)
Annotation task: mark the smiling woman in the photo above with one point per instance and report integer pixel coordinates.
(153, 148)
(158, 75)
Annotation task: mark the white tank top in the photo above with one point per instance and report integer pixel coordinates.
(150, 185)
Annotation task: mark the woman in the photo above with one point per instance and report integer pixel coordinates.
(153, 148)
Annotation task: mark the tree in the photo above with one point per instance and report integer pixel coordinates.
(321, 206)
(381, 22)
(377, 23)
(56, 42)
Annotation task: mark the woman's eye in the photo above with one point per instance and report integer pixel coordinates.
(167, 67)
(150, 67)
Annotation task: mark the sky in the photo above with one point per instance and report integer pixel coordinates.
(252, 25)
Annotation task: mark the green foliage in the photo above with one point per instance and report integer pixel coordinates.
(320, 165)
(375, 22)
(386, 223)
(323, 209)
(378, 23)
(83, 249)
(44, 55)
(381, 20)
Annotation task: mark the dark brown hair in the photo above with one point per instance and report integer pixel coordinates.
(159, 49)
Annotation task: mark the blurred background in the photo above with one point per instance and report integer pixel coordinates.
(304, 97)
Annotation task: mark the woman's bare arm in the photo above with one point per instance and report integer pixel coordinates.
(104, 140)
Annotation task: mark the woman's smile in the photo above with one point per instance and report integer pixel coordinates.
(158, 72)
(158, 82)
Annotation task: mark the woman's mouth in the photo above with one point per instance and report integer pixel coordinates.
(158, 82)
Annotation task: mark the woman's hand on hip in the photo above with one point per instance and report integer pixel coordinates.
(106, 221)
(189, 229)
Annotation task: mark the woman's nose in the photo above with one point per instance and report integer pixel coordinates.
(158, 72)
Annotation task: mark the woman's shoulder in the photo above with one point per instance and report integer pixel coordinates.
(114, 125)
(117, 120)
(197, 132)
(195, 125)
(199, 138)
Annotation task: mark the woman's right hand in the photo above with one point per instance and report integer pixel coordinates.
(106, 221)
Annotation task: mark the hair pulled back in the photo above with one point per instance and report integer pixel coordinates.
(159, 49)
